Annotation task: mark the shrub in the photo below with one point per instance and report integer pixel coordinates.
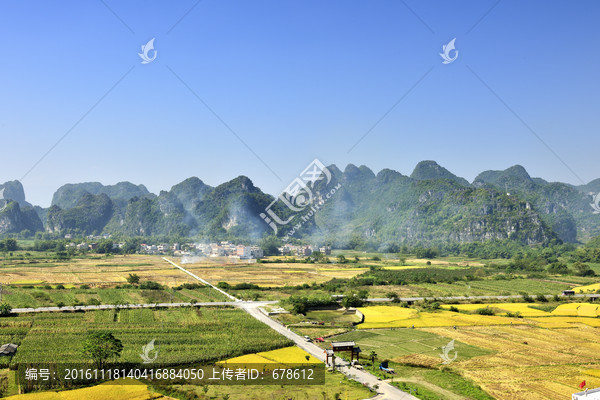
(582, 269)
(453, 309)
(5, 309)
(556, 297)
(133, 278)
(485, 311)
(245, 286)
(189, 286)
(541, 298)
(527, 298)
(127, 286)
(151, 285)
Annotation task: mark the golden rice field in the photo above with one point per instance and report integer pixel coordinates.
(587, 288)
(502, 308)
(577, 309)
(274, 359)
(593, 372)
(271, 275)
(101, 271)
(105, 391)
(399, 317)
(529, 362)
(543, 356)
(110, 271)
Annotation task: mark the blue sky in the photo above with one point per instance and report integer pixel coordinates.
(295, 80)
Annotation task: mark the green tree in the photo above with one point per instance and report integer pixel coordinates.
(355, 299)
(582, 269)
(10, 245)
(341, 259)
(100, 347)
(133, 278)
(558, 268)
(372, 355)
(392, 295)
(5, 309)
(106, 247)
(270, 245)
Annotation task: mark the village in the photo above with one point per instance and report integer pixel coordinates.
(220, 249)
(230, 250)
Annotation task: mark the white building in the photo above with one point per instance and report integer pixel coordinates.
(256, 252)
(244, 251)
(587, 394)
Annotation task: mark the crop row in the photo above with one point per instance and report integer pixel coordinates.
(180, 335)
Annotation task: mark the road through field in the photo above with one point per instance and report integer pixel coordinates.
(142, 305)
(201, 280)
(385, 390)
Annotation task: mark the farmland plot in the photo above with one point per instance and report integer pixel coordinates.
(182, 335)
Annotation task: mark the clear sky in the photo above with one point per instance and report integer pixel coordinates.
(294, 80)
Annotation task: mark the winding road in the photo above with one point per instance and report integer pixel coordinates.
(385, 391)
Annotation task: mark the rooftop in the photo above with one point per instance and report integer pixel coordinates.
(343, 344)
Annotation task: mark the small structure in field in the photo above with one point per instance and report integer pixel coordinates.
(384, 367)
(346, 346)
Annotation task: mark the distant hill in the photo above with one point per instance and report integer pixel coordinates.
(430, 206)
(16, 214)
(89, 215)
(591, 187)
(392, 208)
(13, 190)
(565, 208)
(68, 195)
(14, 219)
(430, 170)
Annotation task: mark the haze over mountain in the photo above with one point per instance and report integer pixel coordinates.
(430, 206)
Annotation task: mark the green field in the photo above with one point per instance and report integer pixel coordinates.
(393, 344)
(414, 354)
(38, 296)
(184, 335)
(335, 383)
(486, 287)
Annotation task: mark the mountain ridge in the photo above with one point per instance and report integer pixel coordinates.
(431, 205)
